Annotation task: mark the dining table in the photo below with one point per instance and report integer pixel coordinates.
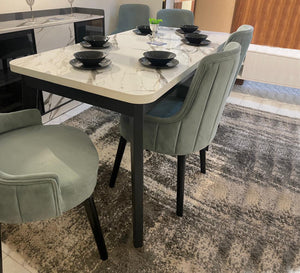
(125, 86)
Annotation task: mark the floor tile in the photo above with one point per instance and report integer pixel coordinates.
(3, 255)
(5, 249)
(11, 266)
(75, 111)
(16, 257)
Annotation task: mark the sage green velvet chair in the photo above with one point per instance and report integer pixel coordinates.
(175, 17)
(243, 35)
(179, 127)
(45, 171)
(131, 16)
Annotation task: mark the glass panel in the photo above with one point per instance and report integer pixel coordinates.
(92, 27)
(13, 45)
(180, 4)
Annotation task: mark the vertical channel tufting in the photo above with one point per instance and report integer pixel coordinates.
(177, 137)
(205, 107)
(156, 135)
(225, 94)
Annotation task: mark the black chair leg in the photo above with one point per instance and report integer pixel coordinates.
(91, 211)
(1, 267)
(119, 156)
(203, 159)
(180, 183)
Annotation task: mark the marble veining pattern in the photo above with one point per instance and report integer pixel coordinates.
(125, 79)
(18, 25)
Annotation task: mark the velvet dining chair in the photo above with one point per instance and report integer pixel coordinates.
(243, 35)
(45, 171)
(175, 17)
(131, 16)
(176, 126)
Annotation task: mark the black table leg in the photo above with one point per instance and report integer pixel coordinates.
(29, 96)
(137, 175)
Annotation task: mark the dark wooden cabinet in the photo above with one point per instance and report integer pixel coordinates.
(27, 42)
(13, 45)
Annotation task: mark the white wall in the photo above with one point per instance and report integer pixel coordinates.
(9, 6)
(111, 7)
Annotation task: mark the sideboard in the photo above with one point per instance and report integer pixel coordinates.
(51, 29)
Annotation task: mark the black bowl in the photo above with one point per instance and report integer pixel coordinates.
(195, 38)
(144, 29)
(159, 58)
(96, 40)
(90, 58)
(189, 28)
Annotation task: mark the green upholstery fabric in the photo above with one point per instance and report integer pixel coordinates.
(194, 126)
(243, 36)
(175, 17)
(132, 15)
(44, 170)
(20, 119)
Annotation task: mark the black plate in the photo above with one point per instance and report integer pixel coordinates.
(145, 62)
(180, 31)
(203, 43)
(137, 32)
(159, 57)
(79, 65)
(189, 28)
(86, 44)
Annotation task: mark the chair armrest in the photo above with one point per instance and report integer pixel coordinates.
(27, 198)
(19, 119)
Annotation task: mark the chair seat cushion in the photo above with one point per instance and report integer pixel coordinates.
(61, 150)
(167, 107)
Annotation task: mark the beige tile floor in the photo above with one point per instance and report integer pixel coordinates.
(15, 263)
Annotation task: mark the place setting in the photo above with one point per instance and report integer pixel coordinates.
(90, 60)
(187, 29)
(95, 42)
(159, 59)
(143, 30)
(195, 39)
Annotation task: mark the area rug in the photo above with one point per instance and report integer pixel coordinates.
(242, 216)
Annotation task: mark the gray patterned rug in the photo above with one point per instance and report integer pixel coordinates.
(242, 216)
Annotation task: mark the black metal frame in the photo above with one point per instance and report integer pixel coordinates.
(135, 111)
(119, 156)
(92, 215)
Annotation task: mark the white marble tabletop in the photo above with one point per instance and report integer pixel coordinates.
(46, 21)
(125, 79)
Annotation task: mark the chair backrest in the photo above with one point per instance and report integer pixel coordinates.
(175, 17)
(243, 35)
(205, 101)
(132, 15)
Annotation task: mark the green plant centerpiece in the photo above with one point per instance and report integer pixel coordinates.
(154, 23)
